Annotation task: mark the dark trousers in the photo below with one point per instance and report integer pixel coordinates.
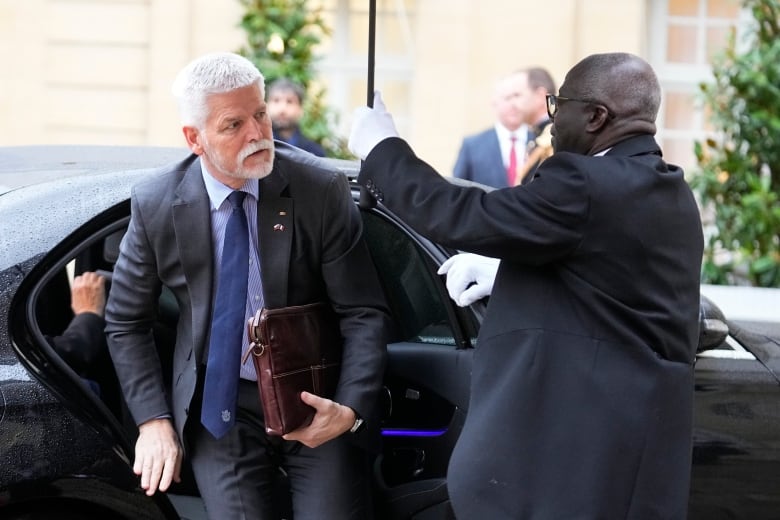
(249, 475)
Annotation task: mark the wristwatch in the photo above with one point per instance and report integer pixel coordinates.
(358, 424)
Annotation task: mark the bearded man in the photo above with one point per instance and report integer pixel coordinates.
(237, 222)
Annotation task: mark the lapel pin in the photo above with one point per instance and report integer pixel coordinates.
(282, 213)
(278, 227)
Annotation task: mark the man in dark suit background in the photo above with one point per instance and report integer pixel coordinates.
(285, 106)
(485, 157)
(305, 245)
(582, 385)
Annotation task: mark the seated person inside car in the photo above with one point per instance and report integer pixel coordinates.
(82, 345)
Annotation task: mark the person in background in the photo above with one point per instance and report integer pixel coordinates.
(582, 383)
(537, 84)
(285, 106)
(494, 156)
(233, 228)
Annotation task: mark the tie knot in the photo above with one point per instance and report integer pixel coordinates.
(513, 138)
(237, 198)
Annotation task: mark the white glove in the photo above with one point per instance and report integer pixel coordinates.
(370, 126)
(465, 269)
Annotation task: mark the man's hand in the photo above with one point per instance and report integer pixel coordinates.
(469, 277)
(370, 127)
(331, 420)
(157, 455)
(88, 293)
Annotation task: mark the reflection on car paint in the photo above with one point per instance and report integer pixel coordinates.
(13, 373)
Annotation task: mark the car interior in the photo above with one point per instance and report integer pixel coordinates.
(425, 390)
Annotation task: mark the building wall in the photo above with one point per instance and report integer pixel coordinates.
(457, 69)
(99, 71)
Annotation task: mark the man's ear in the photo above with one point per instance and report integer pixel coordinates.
(192, 136)
(597, 119)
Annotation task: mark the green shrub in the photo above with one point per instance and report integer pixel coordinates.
(739, 177)
(281, 36)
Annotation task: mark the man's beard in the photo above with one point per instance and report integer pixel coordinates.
(241, 172)
(284, 126)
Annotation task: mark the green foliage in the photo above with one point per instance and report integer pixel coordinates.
(281, 36)
(739, 177)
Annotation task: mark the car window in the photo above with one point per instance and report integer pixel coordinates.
(413, 290)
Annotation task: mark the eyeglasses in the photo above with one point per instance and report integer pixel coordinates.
(553, 102)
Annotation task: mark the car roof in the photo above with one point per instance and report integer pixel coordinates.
(26, 165)
(53, 190)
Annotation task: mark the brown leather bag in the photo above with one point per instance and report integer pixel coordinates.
(294, 349)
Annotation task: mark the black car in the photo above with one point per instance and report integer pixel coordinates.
(66, 452)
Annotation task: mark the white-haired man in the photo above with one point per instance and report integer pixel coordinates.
(237, 201)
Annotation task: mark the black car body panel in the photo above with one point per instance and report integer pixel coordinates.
(735, 470)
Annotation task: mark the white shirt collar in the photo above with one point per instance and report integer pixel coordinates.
(504, 133)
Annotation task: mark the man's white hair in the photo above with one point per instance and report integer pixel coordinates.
(212, 73)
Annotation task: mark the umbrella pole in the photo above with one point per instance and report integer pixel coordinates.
(366, 201)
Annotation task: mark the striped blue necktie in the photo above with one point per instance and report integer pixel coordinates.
(220, 391)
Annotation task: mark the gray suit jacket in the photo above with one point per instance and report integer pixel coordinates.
(319, 255)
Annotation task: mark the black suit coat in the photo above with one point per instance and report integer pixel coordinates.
(318, 255)
(82, 345)
(582, 387)
(299, 141)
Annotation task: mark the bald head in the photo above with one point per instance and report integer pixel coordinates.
(624, 82)
(615, 96)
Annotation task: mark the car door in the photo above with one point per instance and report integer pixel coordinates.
(65, 449)
(736, 451)
(426, 390)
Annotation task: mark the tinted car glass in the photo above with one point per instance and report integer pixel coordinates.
(415, 300)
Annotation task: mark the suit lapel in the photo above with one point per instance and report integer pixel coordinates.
(275, 234)
(192, 224)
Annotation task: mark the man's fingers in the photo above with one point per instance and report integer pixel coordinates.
(157, 456)
(472, 294)
(161, 474)
(138, 464)
(445, 267)
(145, 470)
(315, 401)
(170, 473)
(327, 424)
(152, 476)
(378, 103)
(457, 282)
(145, 467)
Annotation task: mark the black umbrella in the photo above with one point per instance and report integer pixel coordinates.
(371, 51)
(366, 201)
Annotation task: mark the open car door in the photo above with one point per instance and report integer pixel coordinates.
(426, 391)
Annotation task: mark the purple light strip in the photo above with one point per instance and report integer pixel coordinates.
(399, 432)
